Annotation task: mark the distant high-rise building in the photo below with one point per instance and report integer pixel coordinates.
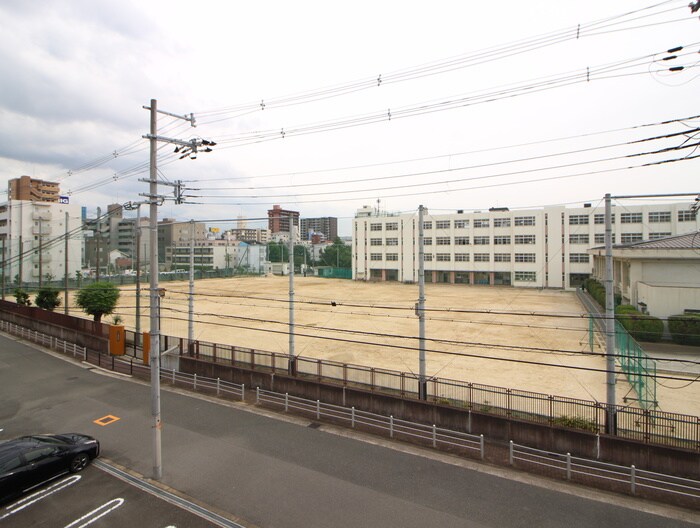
(327, 225)
(278, 219)
(26, 188)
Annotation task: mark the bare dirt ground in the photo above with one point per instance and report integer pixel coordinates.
(375, 324)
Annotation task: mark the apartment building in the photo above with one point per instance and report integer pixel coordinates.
(539, 248)
(33, 190)
(41, 241)
(327, 226)
(279, 220)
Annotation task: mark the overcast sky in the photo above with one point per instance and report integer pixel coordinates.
(449, 104)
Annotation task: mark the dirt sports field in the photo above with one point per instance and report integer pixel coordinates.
(254, 312)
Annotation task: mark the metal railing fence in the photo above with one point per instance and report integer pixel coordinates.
(651, 426)
(637, 366)
(622, 478)
(434, 436)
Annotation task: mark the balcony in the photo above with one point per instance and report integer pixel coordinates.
(45, 258)
(42, 215)
(43, 230)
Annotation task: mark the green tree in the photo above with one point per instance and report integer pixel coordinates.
(338, 255)
(48, 299)
(98, 299)
(22, 297)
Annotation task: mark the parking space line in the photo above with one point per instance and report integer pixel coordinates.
(39, 495)
(92, 516)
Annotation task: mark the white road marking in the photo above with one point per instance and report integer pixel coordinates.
(92, 516)
(39, 495)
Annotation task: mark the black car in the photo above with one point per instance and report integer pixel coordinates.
(29, 461)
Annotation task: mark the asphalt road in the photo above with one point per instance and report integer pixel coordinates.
(272, 472)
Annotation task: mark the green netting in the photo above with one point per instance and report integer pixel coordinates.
(335, 273)
(639, 369)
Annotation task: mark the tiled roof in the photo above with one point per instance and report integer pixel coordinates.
(687, 241)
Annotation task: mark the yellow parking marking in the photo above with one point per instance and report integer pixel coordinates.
(106, 420)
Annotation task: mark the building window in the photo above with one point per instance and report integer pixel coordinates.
(375, 227)
(375, 241)
(629, 238)
(392, 256)
(461, 257)
(427, 225)
(524, 257)
(443, 257)
(375, 256)
(482, 240)
(462, 241)
(526, 276)
(428, 257)
(502, 222)
(600, 218)
(501, 240)
(600, 238)
(481, 257)
(481, 222)
(461, 224)
(656, 236)
(427, 241)
(578, 220)
(392, 241)
(524, 220)
(578, 239)
(576, 258)
(524, 239)
(392, 226)
(657, 217)
(501, 257)
(631, 218)
(442, 241)
(685, 216)
(442, 224)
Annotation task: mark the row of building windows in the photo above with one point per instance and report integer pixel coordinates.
(653, 217)
(461, 240)
(576, 258)
(576, 238)
(579, 219)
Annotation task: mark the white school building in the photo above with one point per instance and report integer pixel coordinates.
(540, 248)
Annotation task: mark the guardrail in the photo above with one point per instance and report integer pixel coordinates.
(44, 340)
(395, 428)
(622, 478)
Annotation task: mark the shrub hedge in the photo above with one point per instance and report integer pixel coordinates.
(685, 329)
(640, 326)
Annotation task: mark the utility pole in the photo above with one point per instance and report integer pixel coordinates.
(4, 241)
(185, 149)
(190, 318)
(292, 366)
(137, 337)
(41, 254)
(611, 415)
(420, 311)
(65, 268)
(98, 236)
(154, 299)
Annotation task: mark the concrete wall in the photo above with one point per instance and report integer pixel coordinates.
(666, 300)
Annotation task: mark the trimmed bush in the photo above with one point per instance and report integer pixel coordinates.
(685, 329)
(641, 327)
